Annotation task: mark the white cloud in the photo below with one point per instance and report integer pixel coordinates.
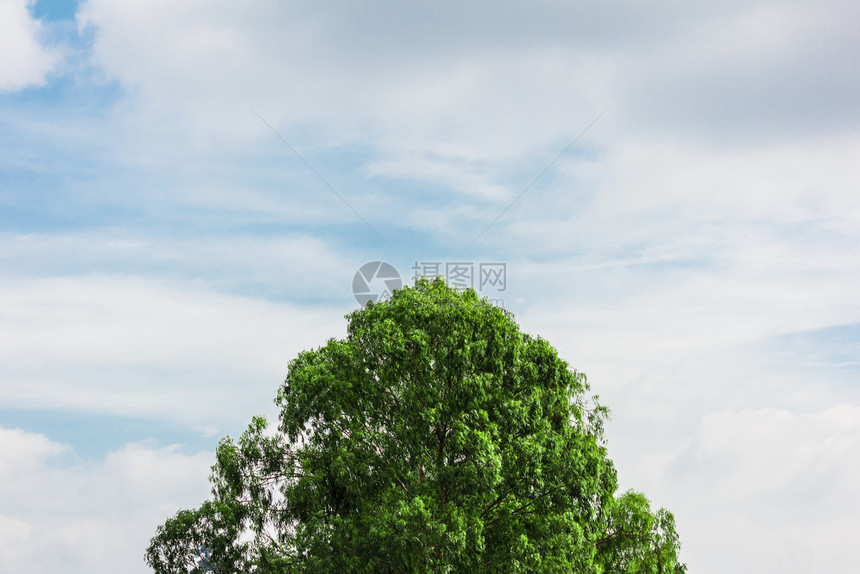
(89, 517)
(132, 346)
(281, 262)
(777, 487)
(708, 104)
(505, 79)
(24, 59)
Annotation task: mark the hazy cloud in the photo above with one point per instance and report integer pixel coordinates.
(60, 513)
(126, 345)
(25, 60)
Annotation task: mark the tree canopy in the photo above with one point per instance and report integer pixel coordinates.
(436, 437)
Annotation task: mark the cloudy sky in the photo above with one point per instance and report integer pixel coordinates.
(188, 188)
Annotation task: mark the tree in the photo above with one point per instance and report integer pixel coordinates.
(436, 437)
(635, 540)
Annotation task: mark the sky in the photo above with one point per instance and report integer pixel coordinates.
(672, 190)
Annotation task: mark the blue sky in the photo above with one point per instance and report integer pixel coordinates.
(164, 254)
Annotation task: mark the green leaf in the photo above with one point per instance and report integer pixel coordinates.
(436, 437)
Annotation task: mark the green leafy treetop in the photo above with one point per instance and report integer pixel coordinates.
(436, 437)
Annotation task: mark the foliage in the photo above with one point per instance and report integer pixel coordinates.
(637, 541)
(436, 437)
